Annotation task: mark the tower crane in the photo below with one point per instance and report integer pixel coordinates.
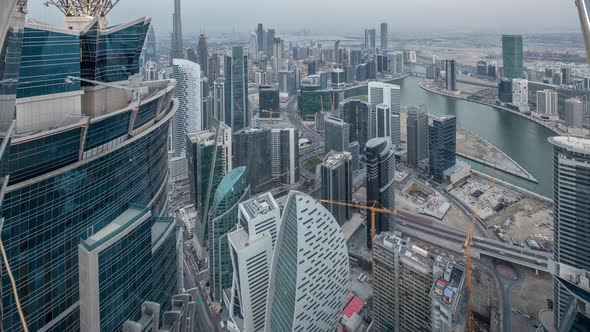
(467, 248)
(271, 113)
(373, 208)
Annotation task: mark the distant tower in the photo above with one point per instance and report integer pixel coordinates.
(213, 68)
(380, 160)
(570, 266)
(253, 46)
(188, 91)
(260, 37)
(417, 136)
(547, 102)
(203, 53)
(512, 55)
(384, 37)
(370, 38)
(310, 246)
(177, 50)
(151, 48)
(236, 89)
(451, 79)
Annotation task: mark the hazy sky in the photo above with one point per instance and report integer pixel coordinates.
(495, 16)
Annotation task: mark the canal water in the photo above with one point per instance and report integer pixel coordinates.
(523, 140)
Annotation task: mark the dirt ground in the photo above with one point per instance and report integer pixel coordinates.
(540, 220)
(528, 295)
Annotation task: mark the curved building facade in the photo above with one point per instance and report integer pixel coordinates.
(310, 269)
(85, 164)
(380, 182)
(223, 218)
(571, 211)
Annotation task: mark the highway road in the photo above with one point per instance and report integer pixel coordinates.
(517, 255)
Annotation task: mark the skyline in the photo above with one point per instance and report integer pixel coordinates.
(547, 16)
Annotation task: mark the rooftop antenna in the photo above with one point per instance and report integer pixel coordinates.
(91, 8)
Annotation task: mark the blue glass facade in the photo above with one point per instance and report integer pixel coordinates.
(128, 271)
(48, 57)
(102, 132)
(112, 55)
(46, 217)
(39, 156)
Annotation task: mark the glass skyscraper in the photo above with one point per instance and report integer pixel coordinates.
(236, 89)
(380, 159)
(92, 177)
(223, 218)
(512, 55)
(571, 212)
(442, 147)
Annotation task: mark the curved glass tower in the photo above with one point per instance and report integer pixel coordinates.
(223, 218)
(85, 173)
(571, 213)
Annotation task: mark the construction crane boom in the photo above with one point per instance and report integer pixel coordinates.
(374, 210)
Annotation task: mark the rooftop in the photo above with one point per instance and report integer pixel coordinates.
(574, 144)
(203, 138)
(334, 159)
(129, 216)
(259, 205)
(448, 286)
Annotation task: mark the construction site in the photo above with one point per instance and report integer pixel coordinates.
(492, 197)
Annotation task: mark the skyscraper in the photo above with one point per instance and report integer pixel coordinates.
(151, 47)
(253, 46)
(270, 37)
(396, 132)
(177, 50)
(571, 259)
(203, 53)
(387, 94)
(574, 113)
(442, 148)
(236, 89)
(337, 135)
(223, 218)
(269, 102)
(547, 102)
(451, 78)
(395, 62)
(384, 37)
(417, 136)
(251, 246)
(356, 113)
(219, 100)
(384, 120)
(520, 94)
(209, 158)
(188, 91)
(103, 188)
(337, 184)
(414, 290)
(309, 247)
(252, 148)
(260, 37)
(213, 68)
(285, 154)
(370, 39)
(512, 55)
(380, 160)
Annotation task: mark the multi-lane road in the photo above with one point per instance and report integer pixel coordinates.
(517, 255)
